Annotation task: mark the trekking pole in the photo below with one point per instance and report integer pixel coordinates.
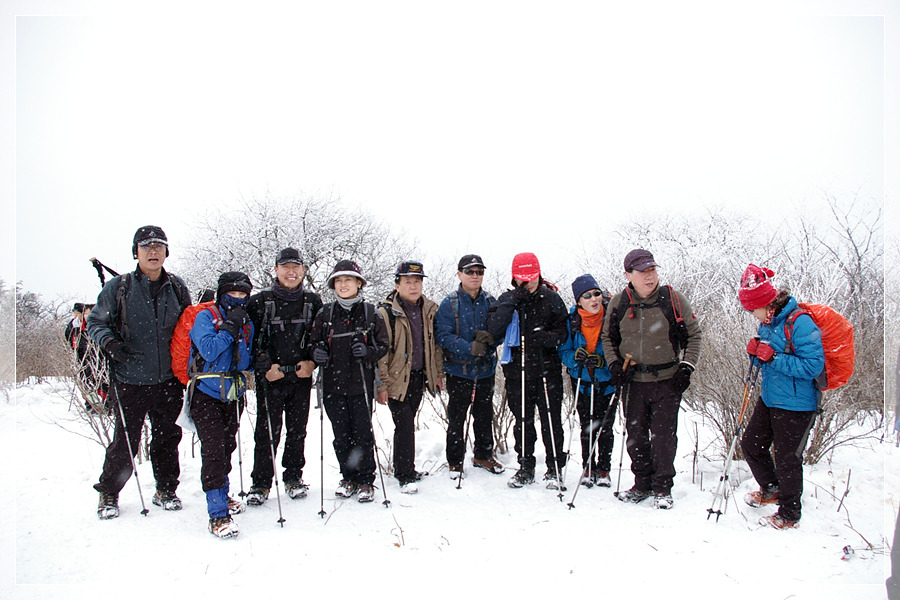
(572, 422)
(553, 455)
(621, 390)
(591, 432)
(265, 391)
(466, 436)
(719, 496)
(609, 410)
(362, 373)
(321, 409)
(522, 448)
(115, 388)
(237, 409)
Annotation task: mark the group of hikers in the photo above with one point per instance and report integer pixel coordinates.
(641, 347)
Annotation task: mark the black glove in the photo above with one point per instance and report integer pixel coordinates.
(263, 363)
(594, 361)
(119, 351)
(359, 350)
(580, 356)
(617, 375)
(236, 320)
(520, 294)
(477, 348)
(484, 337)
(320, 355)
(682, 378)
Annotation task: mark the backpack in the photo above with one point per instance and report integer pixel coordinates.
(182, 347)
(837, 341)
(667, 301)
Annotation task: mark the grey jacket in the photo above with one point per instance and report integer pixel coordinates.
(126, 311)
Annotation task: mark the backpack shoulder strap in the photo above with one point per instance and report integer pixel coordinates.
(789, 326)
(454, 305)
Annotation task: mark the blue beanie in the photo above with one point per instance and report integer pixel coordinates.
(582, 284)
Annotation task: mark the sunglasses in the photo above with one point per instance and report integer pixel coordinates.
(589, 295)
(478, 272)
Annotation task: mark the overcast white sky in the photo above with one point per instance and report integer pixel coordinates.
(494, 127)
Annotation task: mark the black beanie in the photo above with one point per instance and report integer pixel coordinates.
(233, 281)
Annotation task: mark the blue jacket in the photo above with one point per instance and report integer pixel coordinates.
(472, 316)
(787, 381)
(216, 346)
(567, 355)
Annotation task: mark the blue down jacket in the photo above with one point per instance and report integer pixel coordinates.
(787, 381)
(216, 346)
(567, 354)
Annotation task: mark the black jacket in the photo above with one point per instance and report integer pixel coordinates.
(542, 319)
(336, 330)
(285, 335)
(126, 310)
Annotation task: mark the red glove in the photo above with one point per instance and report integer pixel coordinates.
(764, 352)
(752, 346)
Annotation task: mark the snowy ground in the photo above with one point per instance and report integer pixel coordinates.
(484, 539)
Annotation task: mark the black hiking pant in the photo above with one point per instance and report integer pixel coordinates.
(596, 426)
(459, 390)
(535, 397)
(290, 399)
(162, 403)
(217, 425)
(651, 421)
(783, 433)
(354, 445)
(404, 416)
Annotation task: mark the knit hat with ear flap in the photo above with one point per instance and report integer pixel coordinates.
(756, 289)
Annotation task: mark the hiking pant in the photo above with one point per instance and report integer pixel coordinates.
(535, 397)
(404, 415)
(162, 403)
(651, 421)
(291, 399)
(459, 390)
(354, 445)
(217, 425)
(598, 423)
(784, 433)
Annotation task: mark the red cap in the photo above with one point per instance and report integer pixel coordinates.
(756, 290)
(525, 267)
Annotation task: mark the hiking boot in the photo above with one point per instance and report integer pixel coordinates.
(223, 527)
(365, 493)
(235, 507)
(345, 489)
(168, 500)
(257, 496)
(488, 464)
(409, 487)
(587, 479)
(296, 489)
(663, 501)
(778, 522)
(456, 471)
(601, 478)
(762, 497)
(522, 478)
(633, 496)
(552, 482)
(109, 506)
(419, 475)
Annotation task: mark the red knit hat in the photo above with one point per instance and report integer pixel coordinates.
(525, 267)
(757, 290)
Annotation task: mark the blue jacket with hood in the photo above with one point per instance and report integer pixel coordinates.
(470, 315)
(216, 346)
(575, 341)
(787, 381)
